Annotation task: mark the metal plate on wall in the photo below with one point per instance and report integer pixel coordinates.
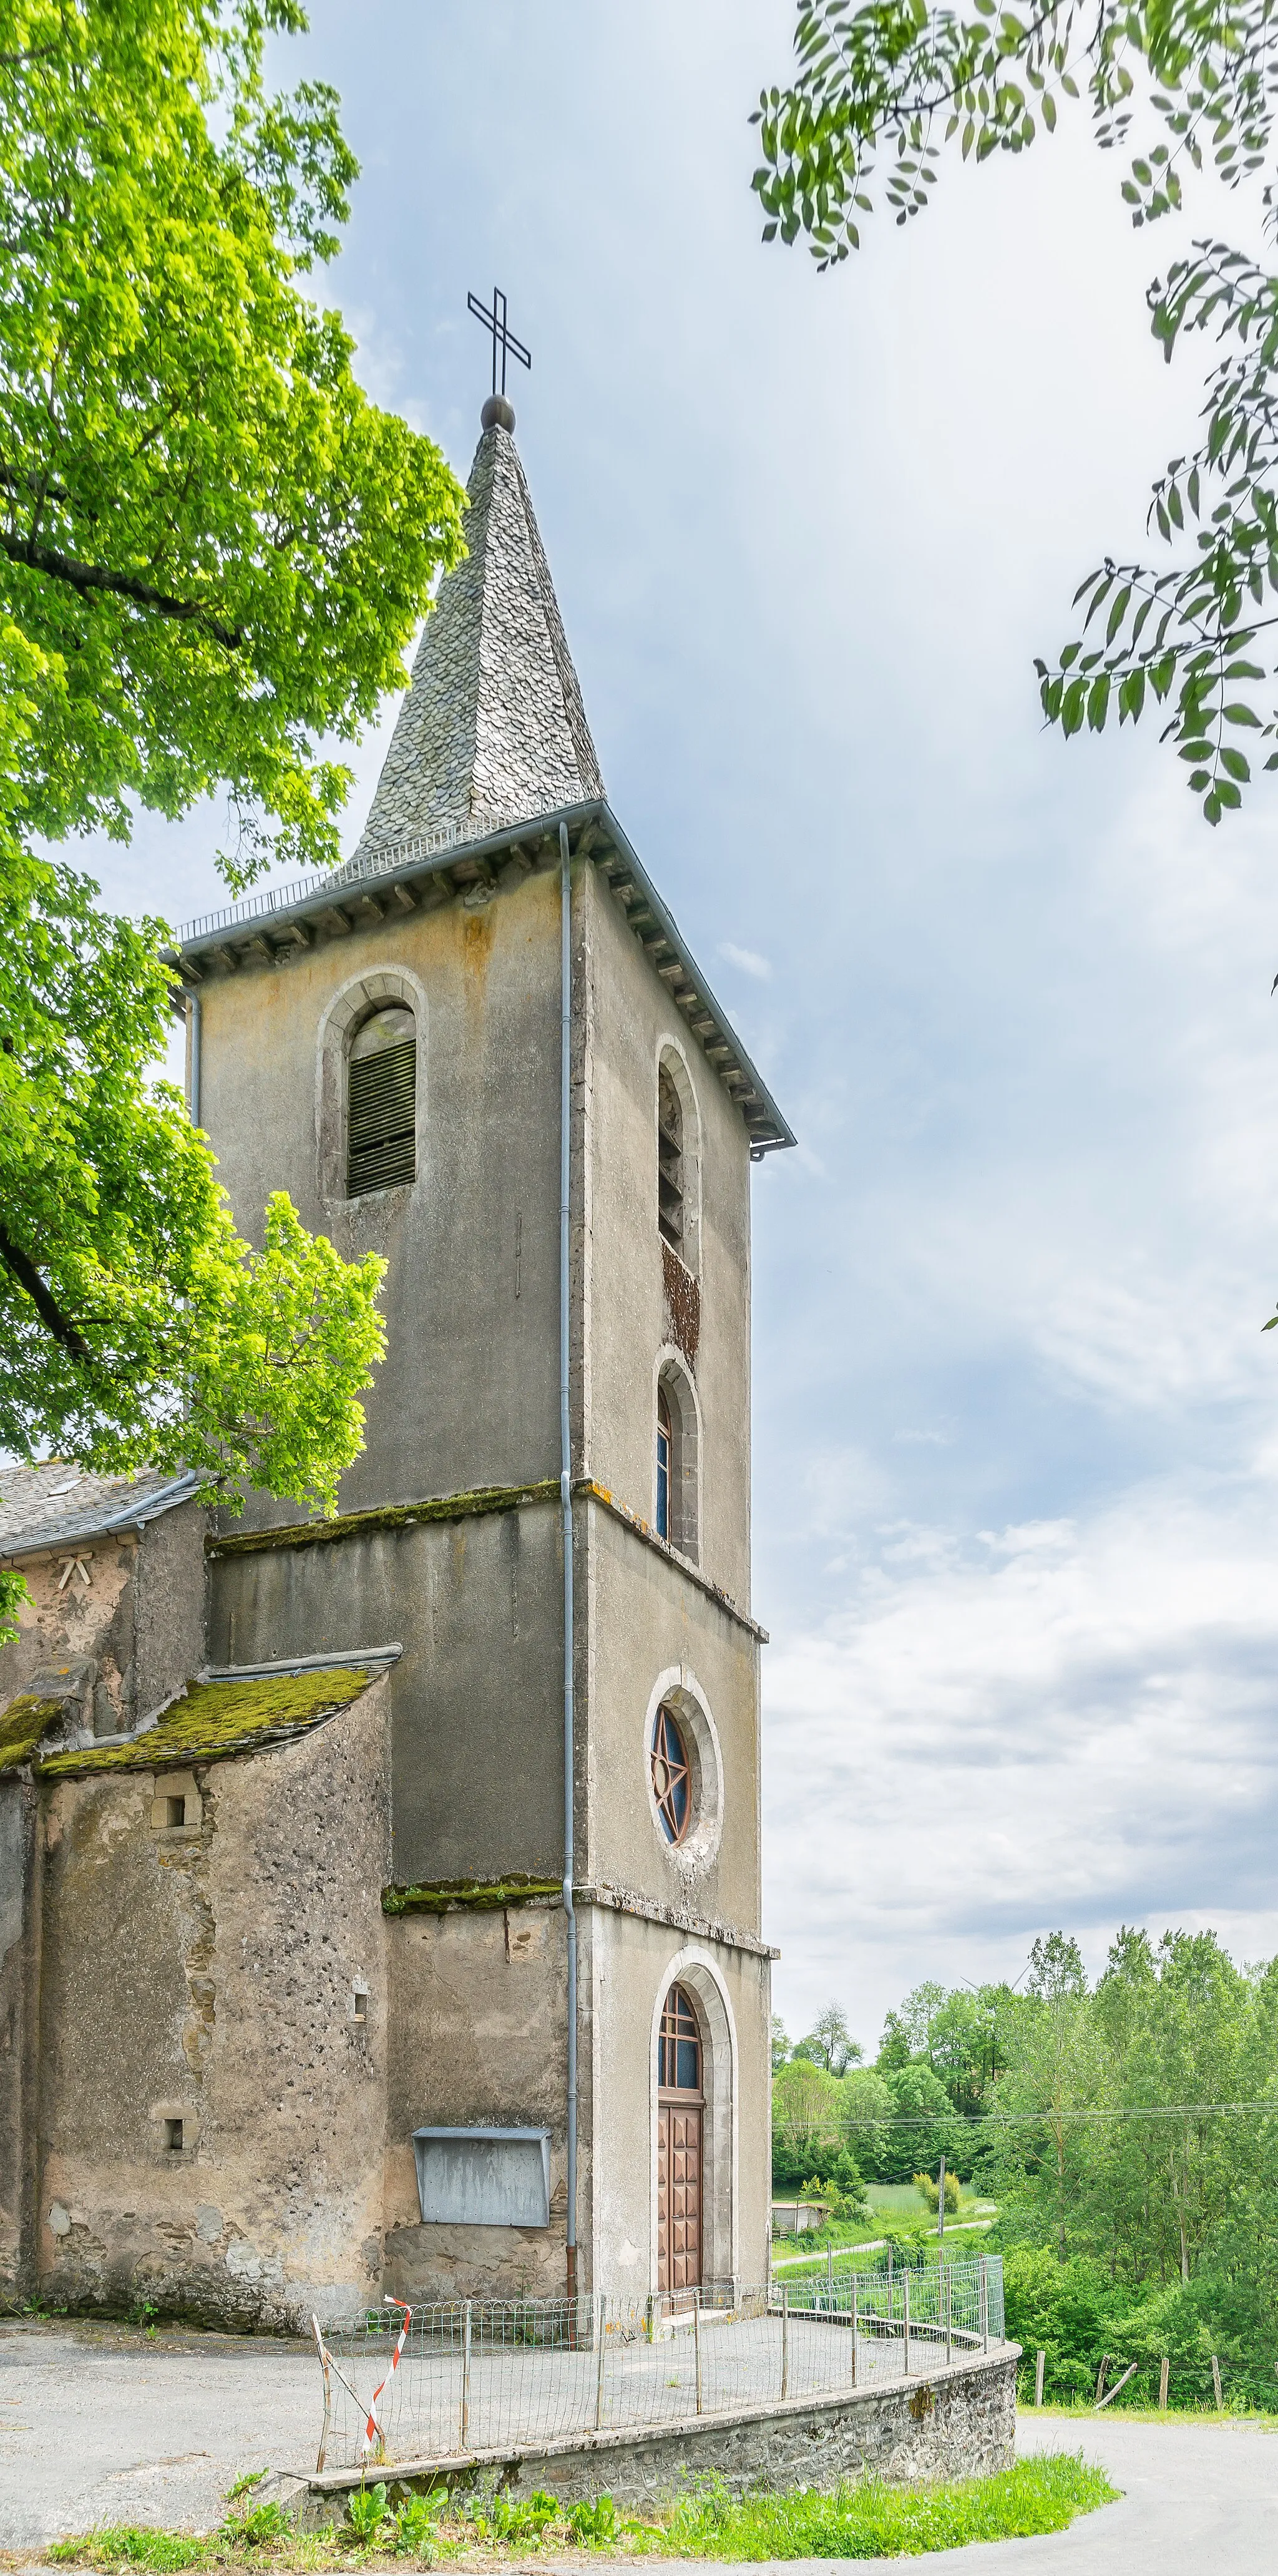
(483, 2177)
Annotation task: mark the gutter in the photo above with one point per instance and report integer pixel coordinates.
(193, 1023)
(565, 1499)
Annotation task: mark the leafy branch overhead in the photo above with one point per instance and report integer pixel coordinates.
(219, 546)
(213, 552)
(882, 91)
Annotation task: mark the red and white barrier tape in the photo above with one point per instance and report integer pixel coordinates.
(372, 2430)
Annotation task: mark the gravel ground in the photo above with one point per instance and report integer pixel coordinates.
(109, 2424)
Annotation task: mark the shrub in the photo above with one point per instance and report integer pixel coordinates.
(930, 2191)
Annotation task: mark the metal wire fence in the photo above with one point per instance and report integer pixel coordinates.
(487, 2374)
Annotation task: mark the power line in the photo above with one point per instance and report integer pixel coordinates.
(1036, 2119)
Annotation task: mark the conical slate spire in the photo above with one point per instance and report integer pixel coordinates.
(493, 730)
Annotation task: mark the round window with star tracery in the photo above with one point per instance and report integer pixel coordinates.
(671, 1776)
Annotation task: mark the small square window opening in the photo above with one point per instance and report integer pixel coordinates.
(173, 2128)
(359, 2004)
(175, 1815)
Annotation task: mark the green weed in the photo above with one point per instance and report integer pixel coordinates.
(415, 2526)
(873, 2521)
(265, 2522)
(366, 2512)
(494, 2514)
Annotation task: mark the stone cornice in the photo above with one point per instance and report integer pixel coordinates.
(459, 1507)
(646, 1909)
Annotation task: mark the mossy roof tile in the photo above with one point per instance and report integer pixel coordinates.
(216, 1720)
(21, 1727)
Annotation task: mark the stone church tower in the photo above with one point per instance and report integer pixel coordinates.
(511, 2022)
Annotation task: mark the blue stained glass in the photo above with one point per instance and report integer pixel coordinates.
(663, 1481)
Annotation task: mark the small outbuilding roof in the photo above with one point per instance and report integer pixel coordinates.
(213, 1720)
(43, 1507)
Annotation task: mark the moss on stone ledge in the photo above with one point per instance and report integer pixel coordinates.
(515, 1889)
(217, 1719)
(387, 1516)
(21, 1727)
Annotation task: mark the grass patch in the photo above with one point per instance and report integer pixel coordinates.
(384, 2530)
(125, 2545)
(810, 2249)
(872, 2521)
(1142, 2410)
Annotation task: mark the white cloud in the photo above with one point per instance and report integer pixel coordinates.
(1069, 1724)
(748, 959)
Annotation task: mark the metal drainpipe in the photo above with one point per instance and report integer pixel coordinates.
(565, 1498)
(193, 1006)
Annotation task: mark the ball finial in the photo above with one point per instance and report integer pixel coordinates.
(497, 413)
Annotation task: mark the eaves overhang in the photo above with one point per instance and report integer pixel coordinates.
(425, 873)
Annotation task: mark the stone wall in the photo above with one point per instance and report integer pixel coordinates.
(477, 2002)
(129, 1606)
(211, 2104)
(959, 2422)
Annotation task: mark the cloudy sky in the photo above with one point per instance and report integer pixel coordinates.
(1016, 1424)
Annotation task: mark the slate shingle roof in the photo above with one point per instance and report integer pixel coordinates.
(44, 1506)
(493, 730)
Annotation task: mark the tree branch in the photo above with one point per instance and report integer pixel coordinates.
(32, 483)
(47, 1307)
(88, 578)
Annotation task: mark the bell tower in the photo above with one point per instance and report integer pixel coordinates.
(483, 1048)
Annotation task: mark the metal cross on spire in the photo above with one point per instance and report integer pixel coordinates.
(503, 338)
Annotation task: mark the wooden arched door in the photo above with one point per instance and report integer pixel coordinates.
(680, 2170)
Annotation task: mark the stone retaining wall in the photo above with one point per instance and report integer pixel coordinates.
(956, 2422)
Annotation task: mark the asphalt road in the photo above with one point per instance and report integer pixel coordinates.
(106, 2424)
(103, 2424)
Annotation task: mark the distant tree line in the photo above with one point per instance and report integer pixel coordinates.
(1127, 2129)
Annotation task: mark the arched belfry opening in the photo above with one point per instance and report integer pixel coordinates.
(680, 2144)
(381, 1104)
(671, 1213)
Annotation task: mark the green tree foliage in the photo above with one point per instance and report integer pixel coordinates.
(1141, 2205)
(880, 91)
(136, 1325)
(217, 547)
(1054, 2072)
(924, 2125)
(213, 550)
(830, 2043)
(1109, 2147)
(807, 2133)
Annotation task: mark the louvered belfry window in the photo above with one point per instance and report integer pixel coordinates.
(669, 1161)
(381, 1151)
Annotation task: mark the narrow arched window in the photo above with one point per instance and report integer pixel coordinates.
(670, 1211)
(665, 1456)
(676, 1478)
(381, 1126)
